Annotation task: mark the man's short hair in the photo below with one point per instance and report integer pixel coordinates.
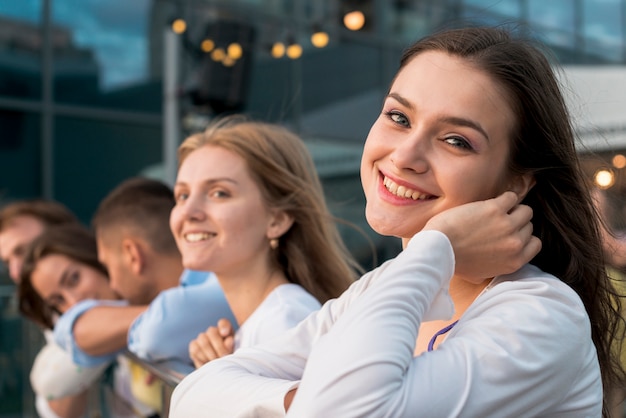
(142, 206)
(49, 212)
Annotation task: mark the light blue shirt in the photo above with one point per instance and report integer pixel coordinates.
(162, 332)
(64, 333)
(177, 316)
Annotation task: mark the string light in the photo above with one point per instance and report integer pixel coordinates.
(354, 20)
(604, 178)
(619, 161)
(218, 54)
(179, 26)
(319, 38)
(278, 50)
(207, 45)
(234, 51)
(294, 51)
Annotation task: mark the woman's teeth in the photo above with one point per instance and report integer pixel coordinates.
(402, 191)
(197, 236)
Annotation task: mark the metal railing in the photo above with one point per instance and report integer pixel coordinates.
(169, 372)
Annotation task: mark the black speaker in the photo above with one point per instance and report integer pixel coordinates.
(223, 85)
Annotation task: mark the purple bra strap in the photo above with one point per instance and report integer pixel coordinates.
(438, 333)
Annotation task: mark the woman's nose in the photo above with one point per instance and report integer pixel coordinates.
(193, 207)
(412, 153)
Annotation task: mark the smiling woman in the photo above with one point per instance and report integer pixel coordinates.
(250, 208)
(459, 324)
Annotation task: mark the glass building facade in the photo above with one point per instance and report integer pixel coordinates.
(93, 92)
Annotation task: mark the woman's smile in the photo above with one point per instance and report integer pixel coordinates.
(404, 192)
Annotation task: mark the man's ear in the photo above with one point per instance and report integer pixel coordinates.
(280, 223)
(133, 255)
(521, 185)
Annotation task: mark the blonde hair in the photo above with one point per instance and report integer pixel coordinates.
(311, 253)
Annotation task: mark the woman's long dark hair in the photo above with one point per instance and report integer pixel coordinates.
(543, 144)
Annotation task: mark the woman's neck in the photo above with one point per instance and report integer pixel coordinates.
(245, 293)
(463, 294)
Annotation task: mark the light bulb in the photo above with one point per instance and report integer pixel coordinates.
(354, 20)
(319, 39)
(179, 26)
(294, 51)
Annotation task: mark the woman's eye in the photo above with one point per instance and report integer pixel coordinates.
(398, 117)
(459, 142)
(73, 278)
(181, 197)
(220, 193)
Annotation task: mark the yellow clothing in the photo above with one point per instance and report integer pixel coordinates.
(146, 388)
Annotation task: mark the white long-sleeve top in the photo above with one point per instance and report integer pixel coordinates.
(522, 349)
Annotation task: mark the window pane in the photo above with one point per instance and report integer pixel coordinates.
(106, 59)
(504, 9)
(20, 48)
(91, 157)
(603, 30)
(554, 22)
(20, 155)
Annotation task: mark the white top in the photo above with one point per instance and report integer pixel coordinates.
(282, 309)
(54, 375)
(522, 349)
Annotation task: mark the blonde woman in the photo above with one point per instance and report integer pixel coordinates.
(250, 208)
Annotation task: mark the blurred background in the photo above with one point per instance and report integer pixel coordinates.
(93, 92)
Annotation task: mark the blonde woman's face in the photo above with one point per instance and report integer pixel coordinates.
(220, 221)
(441, 140)
(63, 282)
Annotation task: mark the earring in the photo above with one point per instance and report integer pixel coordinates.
(274, 243)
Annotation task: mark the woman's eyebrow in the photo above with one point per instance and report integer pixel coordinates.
(65, 276)
(404, 102)
(454, 120)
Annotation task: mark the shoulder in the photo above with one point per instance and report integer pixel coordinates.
(536, 301)
(534, 318)
(284, 308)
(288, 300)
(535, 292)
(201, 292)
(531, 324)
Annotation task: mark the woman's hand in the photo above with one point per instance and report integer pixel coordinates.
(214, 343)
(489, 237)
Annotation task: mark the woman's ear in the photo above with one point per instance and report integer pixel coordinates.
(521, 185)
(280, 222)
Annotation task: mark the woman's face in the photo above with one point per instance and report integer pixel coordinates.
(220, 220)
(62, 282)
(441, 140)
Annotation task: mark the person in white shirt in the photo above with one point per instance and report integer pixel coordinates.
(250, 208)
(21, 222)
(473, 124)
